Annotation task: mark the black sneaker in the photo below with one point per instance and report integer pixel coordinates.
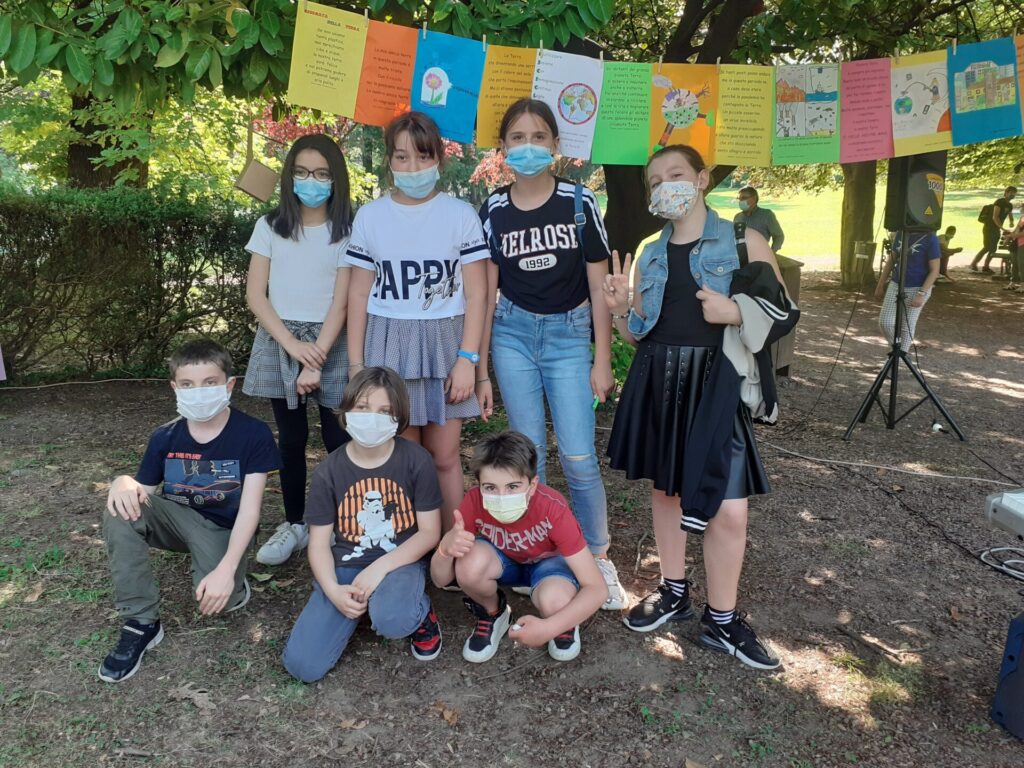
(483, 643)
(124, 661)
(658, 607)
(566, 646)
(736, 638)
(426, 640)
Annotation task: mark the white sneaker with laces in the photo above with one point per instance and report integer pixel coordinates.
(616, 595)
(285, 541)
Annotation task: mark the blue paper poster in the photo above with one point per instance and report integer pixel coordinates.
(984, 91)
(446, 82)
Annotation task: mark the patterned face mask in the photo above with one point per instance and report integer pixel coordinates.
(672, 200)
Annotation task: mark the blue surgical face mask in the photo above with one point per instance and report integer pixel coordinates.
(312, 193)
(529, 159)
(744, 205)
(417, 184)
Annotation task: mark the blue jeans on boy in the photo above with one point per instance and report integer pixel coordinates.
(396, 608)
(515, 574)
(538, 356)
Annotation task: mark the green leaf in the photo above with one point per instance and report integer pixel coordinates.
(23, 52)
(272, 45)
(256, 71)
(376, 6)
(240, 20)
(215, 72)
(123, 92)
(604, 9)
(5, 34)
(464, 16)
(271, 24)
(169, 56)
(131, 22)
(586, 15)
(104, 71)
(573, 22)
(79, 64)
(279, 69)
(175, 12)
(28, 75)
(47, 54)
(561, 31)
(198, 62)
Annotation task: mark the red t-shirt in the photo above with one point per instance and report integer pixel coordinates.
(547, 529)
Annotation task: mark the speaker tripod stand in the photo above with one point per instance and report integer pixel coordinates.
(891, 367)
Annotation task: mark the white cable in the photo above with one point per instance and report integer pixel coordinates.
(69, 383)
(1010, 566)
(935, 475)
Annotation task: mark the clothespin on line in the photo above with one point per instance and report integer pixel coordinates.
(954, 46)
(660, 59)
(424, 30)
(718, 64)
(483, 42)
(366, 17)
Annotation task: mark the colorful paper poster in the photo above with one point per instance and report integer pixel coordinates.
(920, 104)
(386, 81)
(624, 121)
(571, 86)
(985, 99)
(806, 114)
(446, 82)
(865, 129)
(508, 77)
(327, 58)
(683, 107)
(746, 101)
(1018, 43)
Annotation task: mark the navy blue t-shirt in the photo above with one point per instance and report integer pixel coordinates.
(208, 476)
(924, 248)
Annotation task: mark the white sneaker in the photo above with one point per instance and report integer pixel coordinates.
(286, 540)
(616, 595)
(566, 646)
(523, 590)
(244, 600)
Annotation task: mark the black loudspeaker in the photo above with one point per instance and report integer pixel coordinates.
(1008, 705)
(913, 196)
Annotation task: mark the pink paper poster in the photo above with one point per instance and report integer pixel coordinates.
(865, 127)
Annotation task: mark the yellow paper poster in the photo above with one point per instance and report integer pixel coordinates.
(684, 102)
(745, 104)
(508, 77)
(327, 57)
(920, 104)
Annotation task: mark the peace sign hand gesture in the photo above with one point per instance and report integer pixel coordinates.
(616, 285)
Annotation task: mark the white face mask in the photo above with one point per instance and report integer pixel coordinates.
(506, 509)
(370, 429)
(202, 403)
(672, 200)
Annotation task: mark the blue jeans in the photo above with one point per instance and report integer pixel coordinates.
(321, 633)
(538, 356)
(515, 574)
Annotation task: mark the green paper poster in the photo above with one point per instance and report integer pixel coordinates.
(623, 122)
(806, 114)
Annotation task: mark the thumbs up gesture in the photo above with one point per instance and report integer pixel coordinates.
(458, 541)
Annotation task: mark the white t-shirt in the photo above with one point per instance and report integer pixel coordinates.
(302, 272)
(417, 253)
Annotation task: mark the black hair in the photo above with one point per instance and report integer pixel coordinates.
(511, 451)
(423, 133)
(286, 218)
(750, 192)
(198, 351)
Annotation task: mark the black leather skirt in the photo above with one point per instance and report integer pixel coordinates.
(654, 416)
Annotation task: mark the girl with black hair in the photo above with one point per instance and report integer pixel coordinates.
(298, 289)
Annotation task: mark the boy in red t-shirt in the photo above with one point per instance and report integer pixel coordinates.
(512, 531)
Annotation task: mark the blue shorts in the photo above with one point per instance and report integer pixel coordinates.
(515, 574)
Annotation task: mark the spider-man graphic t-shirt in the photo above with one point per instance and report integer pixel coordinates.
(373, 511)
(208, 476)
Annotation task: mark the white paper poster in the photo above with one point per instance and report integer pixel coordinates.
(571, 86)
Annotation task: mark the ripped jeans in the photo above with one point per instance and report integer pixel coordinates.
(548, 356)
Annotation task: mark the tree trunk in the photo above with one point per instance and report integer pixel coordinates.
(84, 151)
(858, 223)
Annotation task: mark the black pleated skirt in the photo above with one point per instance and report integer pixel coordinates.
(654, 415)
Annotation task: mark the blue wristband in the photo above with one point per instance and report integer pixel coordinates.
(473, 357)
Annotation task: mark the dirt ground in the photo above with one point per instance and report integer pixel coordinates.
(865, 581)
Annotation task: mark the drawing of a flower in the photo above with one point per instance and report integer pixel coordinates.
(433, 83)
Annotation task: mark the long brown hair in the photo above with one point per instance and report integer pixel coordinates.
(423, 133)
(286, 218)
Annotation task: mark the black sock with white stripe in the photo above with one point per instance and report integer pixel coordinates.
(679, 587)
(721, 617)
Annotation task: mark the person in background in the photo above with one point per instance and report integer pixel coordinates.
(1016, 246)
(992, 217)
(922, 270)
(759, 219)
(946, 251)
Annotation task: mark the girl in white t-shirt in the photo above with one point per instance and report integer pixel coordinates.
(418, 297)
(298, 290)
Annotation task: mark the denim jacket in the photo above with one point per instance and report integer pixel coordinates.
(712, 262)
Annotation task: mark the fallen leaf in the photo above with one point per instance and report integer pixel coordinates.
(198, 696)
(693, 764)
(883, 472)
(897, 488)
(34, 594)
(100, 487)
(262, 576)
(351, 724)
(285, 583)
(450, 715)
(954, 613)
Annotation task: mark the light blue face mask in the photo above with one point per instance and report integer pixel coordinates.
(743, 204)
(529, 159)
(417, 184)
(312, 193)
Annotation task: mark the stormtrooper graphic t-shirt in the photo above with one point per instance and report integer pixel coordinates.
(373, 511)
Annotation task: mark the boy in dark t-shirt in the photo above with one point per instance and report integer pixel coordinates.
(992, 228)
(380, 497)
(514, 531)
(199, 489)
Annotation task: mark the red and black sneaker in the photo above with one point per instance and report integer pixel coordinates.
(426, 640)
(489, 629)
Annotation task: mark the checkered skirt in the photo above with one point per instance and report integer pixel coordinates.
(272, 372)
(423, 352)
